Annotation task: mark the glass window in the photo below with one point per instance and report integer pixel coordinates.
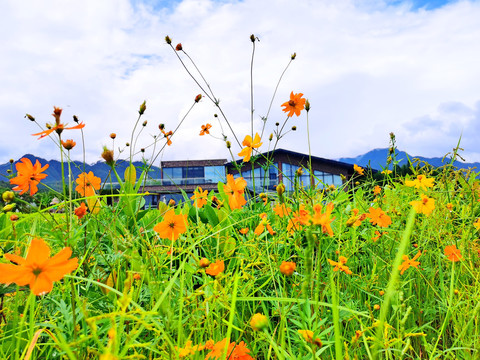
(172, 176)
(214, 174)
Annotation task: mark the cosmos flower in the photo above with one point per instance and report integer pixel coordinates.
(295, 105)
(28, 176)
(38, 269)
(249, 146)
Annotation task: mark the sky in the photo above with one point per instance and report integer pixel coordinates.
(367, 67)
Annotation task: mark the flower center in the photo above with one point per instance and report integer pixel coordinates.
(37, 271)
(172, 225)
(291, 103)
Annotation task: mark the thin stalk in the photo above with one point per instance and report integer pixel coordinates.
(251, 86)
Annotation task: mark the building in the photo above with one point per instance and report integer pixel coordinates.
(281, 165)
(186, 176)
(180, 178)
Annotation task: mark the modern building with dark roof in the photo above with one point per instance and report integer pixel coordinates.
(269, 169)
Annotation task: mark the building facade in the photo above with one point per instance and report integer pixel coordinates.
(183, 177)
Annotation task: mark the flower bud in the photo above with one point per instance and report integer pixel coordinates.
(113, 135)
(30, 117)
(161, 127)
(204, 263)
(198, 98)
(8, 196)
(127, 144)
(179, 47)
(11, 161)
(145, 123)
(270, 138)
(168, 40)
(299, 172)
(307, 105)
(171, 203)
(229, 144)
(142, 150)
(280, 189)
(288, 268)
(294, 55)
(252, 38)
(13, 217)
(294, 128)
(8, 207)
(75, 118)
(259, 322)
(143, 107)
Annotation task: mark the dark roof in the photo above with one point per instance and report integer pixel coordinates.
(300, 155)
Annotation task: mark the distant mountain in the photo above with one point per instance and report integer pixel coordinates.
(377, 159)
(54, 171)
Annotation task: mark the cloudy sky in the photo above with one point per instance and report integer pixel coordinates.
(368, 68)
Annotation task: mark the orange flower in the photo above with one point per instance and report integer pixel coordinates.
(264, 223)
(359, 170)
(287, 268)
(205, 129)
(424, 206)
(204, 262)
(87, 184)
(249, 146)
(68, 144)
(295, 105)
(215, 268)
(377, 190)
(308, 337)
(356, 220)
(378, 217)
(421, 182)
(200, 197)
(323, 219)
(233, 351)
(234, 189)
(409, 262)
(167, 135)
(81, 211)
(172, 225)
(28, 176)
(452, 253)
(38, 270)
(340, 265)
(281, 210)
(59, 127)
(187, 350)
(244, 231)
(299, 219)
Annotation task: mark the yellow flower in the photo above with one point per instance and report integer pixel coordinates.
(358, 169)
(249, 146)
(421, 182)
(424, 206)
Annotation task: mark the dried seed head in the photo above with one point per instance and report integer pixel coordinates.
(294, 128)
(107, 155)
(75, 118)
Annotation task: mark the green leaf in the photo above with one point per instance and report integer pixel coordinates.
(130, 175)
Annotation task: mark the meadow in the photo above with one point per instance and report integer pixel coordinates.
(382, 267)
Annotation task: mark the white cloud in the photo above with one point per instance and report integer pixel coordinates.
(367, 67)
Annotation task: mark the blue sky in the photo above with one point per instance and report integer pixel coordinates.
(368, 67)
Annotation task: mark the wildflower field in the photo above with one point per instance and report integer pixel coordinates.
(382, 267)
